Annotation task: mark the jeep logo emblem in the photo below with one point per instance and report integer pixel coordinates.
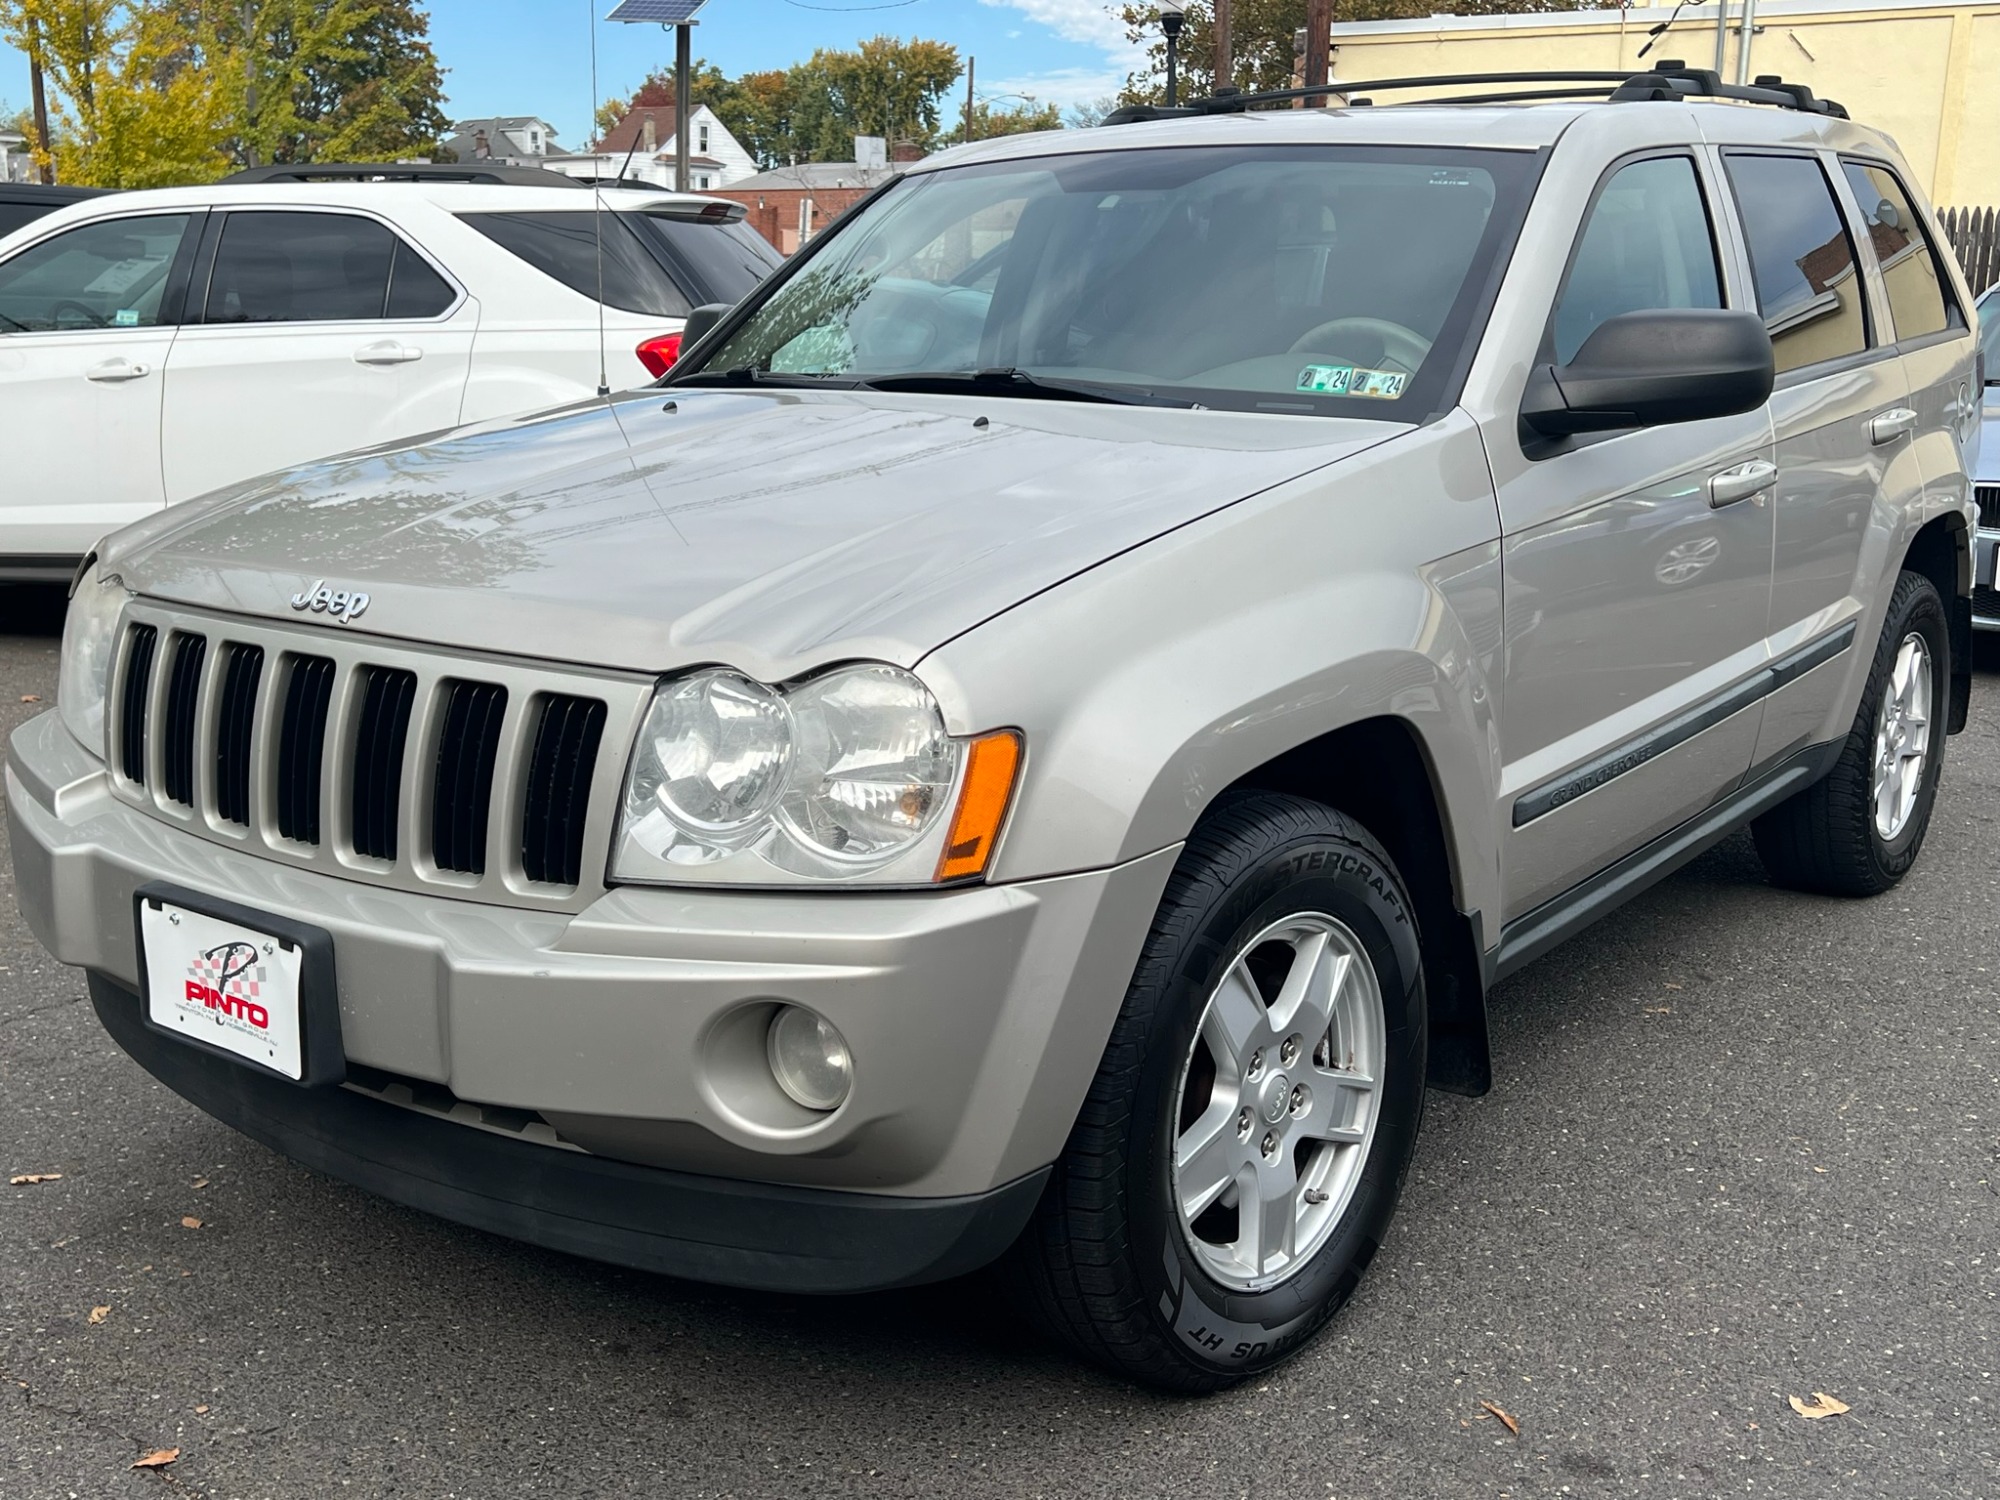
(342, 604)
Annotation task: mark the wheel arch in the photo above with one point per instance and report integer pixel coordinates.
(1379, 772)
(1942, 552)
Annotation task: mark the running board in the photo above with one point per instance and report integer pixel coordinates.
(1528, 937)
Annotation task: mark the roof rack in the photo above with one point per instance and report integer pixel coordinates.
(403, 171)
(1665, 80)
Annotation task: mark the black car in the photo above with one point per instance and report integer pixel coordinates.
(24, 202)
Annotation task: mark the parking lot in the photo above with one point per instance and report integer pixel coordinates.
(1744, 1146)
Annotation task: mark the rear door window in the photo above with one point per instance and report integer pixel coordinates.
(715, 262)
(1801, 258)
(1647, 245)
(564, 245)
(1918, 301)
(299, 268)
(108, 274)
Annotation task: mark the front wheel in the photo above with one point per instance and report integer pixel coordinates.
(1241, 1149)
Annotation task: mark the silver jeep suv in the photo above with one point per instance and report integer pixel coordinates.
(1033, 743)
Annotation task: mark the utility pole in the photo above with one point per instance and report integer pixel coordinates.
(43, 145)
(970, 63)
(1225, 65)
(1319, 44)
(683, 82)
(1721, 34)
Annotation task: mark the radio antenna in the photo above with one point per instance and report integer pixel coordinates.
(597, 214)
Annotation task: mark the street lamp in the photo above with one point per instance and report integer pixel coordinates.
(1173, 16)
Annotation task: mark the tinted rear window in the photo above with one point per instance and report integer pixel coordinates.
(14, 215)
(716, 262)
(563, 245)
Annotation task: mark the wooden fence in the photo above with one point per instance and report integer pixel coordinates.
(1975, 236)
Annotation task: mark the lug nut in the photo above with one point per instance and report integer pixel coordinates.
(1243, 1122)
(1300, 1099)
(1270, 1143)
(1256, 1062)
(1290, 1051)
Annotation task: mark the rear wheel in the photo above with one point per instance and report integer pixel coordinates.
(1857, 831)
(1242, 1146)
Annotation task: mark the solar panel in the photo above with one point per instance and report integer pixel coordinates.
(665, 12)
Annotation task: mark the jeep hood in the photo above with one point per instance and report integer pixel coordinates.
(773, 531)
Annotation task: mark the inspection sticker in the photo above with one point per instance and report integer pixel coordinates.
(1383, 385)
(1325, 380)
(125, 317)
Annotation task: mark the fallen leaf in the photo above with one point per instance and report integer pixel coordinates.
(29, 1179)
(1821, 1405)
(199, 1182)
(189, 1221)
(1673, 986)
(99, 1314)
(201, 1411)
(158, 1459)
(1659, 1010)
(1512, 1426)
(31, 697)
(1820, 1170)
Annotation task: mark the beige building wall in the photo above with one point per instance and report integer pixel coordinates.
(1927, 74)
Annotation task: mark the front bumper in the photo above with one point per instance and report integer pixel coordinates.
(975, 1016)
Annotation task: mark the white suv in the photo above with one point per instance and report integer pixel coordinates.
(158, 345)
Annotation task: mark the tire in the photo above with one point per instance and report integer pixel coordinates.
(1109, 1264)
(1828, 838)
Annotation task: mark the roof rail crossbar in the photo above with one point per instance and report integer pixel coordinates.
(1668, 79)
(484, 174)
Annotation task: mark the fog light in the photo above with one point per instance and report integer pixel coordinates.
(808, 1058)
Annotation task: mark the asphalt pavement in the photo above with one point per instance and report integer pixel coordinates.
(1743, 1146)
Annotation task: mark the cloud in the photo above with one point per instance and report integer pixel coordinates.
(1090, 22)
(1059, 86)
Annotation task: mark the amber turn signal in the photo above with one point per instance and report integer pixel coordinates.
(990, 767)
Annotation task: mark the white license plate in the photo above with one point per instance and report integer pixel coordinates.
(223, 983)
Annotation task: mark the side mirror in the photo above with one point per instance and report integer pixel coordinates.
(1643, 369)
(700, 321)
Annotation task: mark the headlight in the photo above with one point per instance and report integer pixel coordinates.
(90, 634)
(850, 776)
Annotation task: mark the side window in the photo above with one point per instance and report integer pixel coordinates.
(1647, 244)
(1808, 289)
(1917, 295)
(110, 274)
(300, 268)
(415, 289)
(565, 246)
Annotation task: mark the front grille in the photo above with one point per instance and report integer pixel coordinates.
(1987, 498)
(233, 721)
(1986, 603)
(132, 710)
(467, 746)
(558, 798)
(386, 698)
(370, 761)
(183, 697)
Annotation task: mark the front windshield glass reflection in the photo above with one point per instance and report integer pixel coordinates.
(1280, 278)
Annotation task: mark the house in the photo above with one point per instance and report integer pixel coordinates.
(789, 205)
(1918, 69)
(641, 147)
(16, 165)
(508, 140)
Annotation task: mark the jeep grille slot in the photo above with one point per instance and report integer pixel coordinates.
(132, 703)
(386, 698)
(183, 692)
(1988, 498)
(558, 797)
(462, 793)
(301, 744)
(235, 717)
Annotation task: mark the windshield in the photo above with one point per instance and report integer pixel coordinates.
(1276, 278)
(1989, 333)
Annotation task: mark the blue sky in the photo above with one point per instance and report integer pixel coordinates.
(532, 57)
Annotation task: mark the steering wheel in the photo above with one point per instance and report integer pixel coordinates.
(1401, 346)
(97, 319)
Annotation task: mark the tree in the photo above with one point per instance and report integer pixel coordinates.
(1261, 38)
(1016, 120)
(1091, 112)
(886, 87)
(135, 103)
(328, 80)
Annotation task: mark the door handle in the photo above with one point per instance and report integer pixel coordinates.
(1898, 421)
(388, 352)
(111, 371)
(1727, 486)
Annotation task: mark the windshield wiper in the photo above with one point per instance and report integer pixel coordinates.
(1007, 381)
(744, 375)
